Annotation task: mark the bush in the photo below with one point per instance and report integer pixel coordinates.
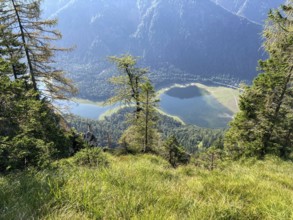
(31, 132)
(175, 153)
(23, 151)
(91, 157)
(210, 158)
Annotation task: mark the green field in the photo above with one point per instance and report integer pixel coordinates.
(146, 187)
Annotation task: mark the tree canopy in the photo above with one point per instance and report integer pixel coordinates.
(265, 123)
(26, 35)
(135, 89)
(31, 132)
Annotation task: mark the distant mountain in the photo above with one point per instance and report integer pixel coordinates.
(199, 37)
(97, 28)
(254, 10)
(196, 37)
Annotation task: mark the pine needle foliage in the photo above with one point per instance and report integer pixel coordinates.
(264, 124)
(31, 37)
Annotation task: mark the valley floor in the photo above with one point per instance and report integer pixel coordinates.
(146, 187)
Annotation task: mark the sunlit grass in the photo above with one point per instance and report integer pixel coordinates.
(146, 187)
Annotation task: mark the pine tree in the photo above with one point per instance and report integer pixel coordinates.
(264, 124)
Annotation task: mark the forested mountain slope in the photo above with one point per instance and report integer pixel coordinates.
(191, 37)
(199, 37)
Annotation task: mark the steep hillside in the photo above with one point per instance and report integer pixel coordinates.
(194, 37)
(97, 28)
(146, 187)
(253, 10)
(199, 37)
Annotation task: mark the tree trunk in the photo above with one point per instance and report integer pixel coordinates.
(287, 145)
(135, 90)
(146, 140)
(32, 76)
(14, 72)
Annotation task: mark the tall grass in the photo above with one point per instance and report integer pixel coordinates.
(146, 187)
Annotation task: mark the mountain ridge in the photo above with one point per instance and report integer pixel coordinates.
(197, 38)
(255, 11)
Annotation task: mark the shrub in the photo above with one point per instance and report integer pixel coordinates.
(175, 153)
(91, 157)
(23, 151)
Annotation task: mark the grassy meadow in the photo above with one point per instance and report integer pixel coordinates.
(146, 187)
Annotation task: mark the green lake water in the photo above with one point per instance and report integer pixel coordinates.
(192, 104)
(195, 106)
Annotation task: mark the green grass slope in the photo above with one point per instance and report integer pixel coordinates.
(146, 187)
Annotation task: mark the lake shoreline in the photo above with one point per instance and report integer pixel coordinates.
(226, 96)
(216, 91)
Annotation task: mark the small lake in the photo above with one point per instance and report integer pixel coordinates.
(195, 106)
(191, 104)
(85, 110)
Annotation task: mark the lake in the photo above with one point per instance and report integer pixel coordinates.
(195, 106)
(191, 104)
(86, 110)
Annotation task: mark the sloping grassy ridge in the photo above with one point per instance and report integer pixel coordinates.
(146, 187)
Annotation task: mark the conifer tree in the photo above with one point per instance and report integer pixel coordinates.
(264, 124)
(134, 88)
(128, 83)
(10, 50)
(31, 133)
(175, 153)
(142, 135)
(23, 19)
(149, 117)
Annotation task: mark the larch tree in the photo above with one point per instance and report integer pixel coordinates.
(149, 117)
(31, 133)
(10, 50)
(265, 123)
(128, 83)
(23, 20)
(134, 89)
